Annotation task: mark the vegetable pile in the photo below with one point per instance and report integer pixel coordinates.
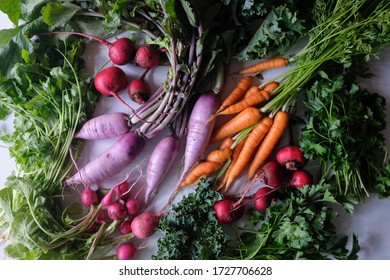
(256, 197)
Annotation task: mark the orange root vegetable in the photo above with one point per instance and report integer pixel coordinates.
(237, 92)
(254, 98)
(227, 143)
(253, 141)
(276, 62)
(203, 169)
(219, 155)
(269, 142)
(244, 119)
(271, 86)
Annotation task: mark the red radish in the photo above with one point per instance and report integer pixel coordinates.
(116, 210)
(123, 190)
(126, 251)
(145, 224)
(89, 197)
(227, 211)
(147, 56)
(200, 127)
(110, 197)
(262, 198)
(125, 227)
(104, 126)
(301, 178)
(133, 206)
(110, 162)
(291, 157)
(272, 173)
(101, 218)
(120, 51)
(160, 162)
(139, 91)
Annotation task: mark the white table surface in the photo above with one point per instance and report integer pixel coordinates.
(370, 221)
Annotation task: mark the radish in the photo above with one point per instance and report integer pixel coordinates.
(160, 162)
(101, 218)
(291, 157)
(125, 227)
(147, 56)
(227, 211)
(120, 51)
(126, 251)
(272, 173)
(89, 197)
(139, 91)
(200, 127)
(116, 210)
(145, 224)
(133, 206)
(301, 178)
(110, 197)
(123, 190)
(262, 198)
(104, 126)
(110, 162)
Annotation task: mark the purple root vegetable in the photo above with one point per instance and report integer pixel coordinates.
(110, 162)
(145, 224)
(104, 126)
(272, 173)
(301, 178)
(262, 198)
(139, 91)
(133, 206)
(89, 197)
(110, 81)
(147, 56)
(291, 157)
(121, 51)
(116, 211)
(125, 227)
(227, 211)
(160, 162)
(200, 127)
(126, 251)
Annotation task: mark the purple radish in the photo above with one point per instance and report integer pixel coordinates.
(139, 91)
(116, 211)
(126, 251)
(147, 56)
(145, 224)
(104, 126)
(272, 173)
(301, 178)
(120, 51)
(125, 227)
(262, 198)
(110, 197)
(200, 127)
(227, 211)
(110, 162)
(133, 206)
(160, 162)
(89, 197)
(291, 157)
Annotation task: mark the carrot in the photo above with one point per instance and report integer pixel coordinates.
(237, 92)
(253, 98)
(235, 154)
(269, 142)
(203, 169)
(219, 155)
(227, 143)
(253, 141)
(271, 86)
(276, 62)
(244, 119)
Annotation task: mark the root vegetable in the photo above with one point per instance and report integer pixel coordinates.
(262, 198)
(116, 210)
(139, 91)
(291, 157)
(272, 173)
(110, 162)
(145, 224)
(125, 227)
(126, 251)
(104, 126)
(301, 178)
(133, 206)
(89, 197)
(227, 211)
(147, 56)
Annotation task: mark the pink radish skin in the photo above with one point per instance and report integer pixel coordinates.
(126, 251)
(125, 227)
(123, 190)
(272, 174)
(160, 162)
(120, 51)
(104, 126)
(110, 162)
(147, 56)
(89, 197)
(116, 210)
(145, 224)
(262, 198)
(110, 197)
(227, 211)
(133, 206)
(291, 157)
(139, 91)
(200, 127)
(102, 217)
(301, 178)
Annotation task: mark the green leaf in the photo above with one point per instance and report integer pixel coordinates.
(6, 35)
(189, 12)
(12, 9)
(56, 14)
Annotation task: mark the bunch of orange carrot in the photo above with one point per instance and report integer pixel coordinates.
(250, 136)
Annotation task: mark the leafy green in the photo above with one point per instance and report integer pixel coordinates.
(12, 9)
(190, 229)
(297, 225)
(56, 14)
(344, 132)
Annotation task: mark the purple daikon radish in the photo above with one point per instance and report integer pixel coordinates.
(200, 127)
(110, 162)
(104, 126)
(160, 162)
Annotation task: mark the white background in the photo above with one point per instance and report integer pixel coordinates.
(370, 221)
